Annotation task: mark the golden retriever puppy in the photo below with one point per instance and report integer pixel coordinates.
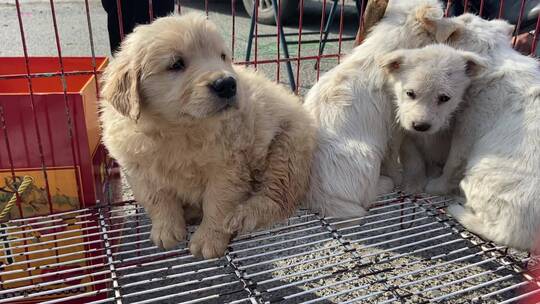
(199, 136)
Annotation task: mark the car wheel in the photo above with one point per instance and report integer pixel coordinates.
(265, 15)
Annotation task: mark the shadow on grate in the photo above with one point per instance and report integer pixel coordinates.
(406, 249)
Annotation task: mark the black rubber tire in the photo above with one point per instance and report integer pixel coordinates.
(289, 10)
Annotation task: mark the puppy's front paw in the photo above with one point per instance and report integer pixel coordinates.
(456, 211)
(397, 178)
(240, 221)
(385, 185)
(438, 186)
(168, 233)
(395, 174)
(413, 187)
(208, 243)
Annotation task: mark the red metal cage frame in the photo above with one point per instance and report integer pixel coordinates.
(63, 74)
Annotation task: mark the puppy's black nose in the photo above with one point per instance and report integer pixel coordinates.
(224, 87)
(421, 126)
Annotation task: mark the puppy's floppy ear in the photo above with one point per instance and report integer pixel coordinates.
(392, 62)
(121, 86)
(475, 65)
(432, 20)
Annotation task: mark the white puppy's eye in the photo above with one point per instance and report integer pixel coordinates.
(178, 65)
(443, 98)
(223, 56)
(411, 94)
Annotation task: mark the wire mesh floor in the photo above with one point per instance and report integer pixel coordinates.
(406, 250)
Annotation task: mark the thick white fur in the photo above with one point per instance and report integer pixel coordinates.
(235, 164)
(497, 139)
(429, 84)
(355, 113)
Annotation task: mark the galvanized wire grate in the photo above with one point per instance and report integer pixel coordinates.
(405, 250)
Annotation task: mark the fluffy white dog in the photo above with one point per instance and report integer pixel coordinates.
(200, 138)
(355, 113)
(497, 138)
(429, 84)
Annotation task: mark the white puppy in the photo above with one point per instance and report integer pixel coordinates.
(428, 84)
(497, 138)
(355, 113)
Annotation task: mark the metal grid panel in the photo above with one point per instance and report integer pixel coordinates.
(405, 250)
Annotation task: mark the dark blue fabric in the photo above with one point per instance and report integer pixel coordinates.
(133, 12)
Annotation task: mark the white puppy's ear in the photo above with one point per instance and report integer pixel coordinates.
(433, 21)
(475, 65)
(121, 86)
(428, 14)
(502, 26)
(447, 30)
(392, 62)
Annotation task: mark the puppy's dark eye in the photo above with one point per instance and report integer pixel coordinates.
(223, 56)
(411, 94)
(443, 98)
(178, 65)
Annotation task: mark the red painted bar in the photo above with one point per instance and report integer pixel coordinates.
(298, 61)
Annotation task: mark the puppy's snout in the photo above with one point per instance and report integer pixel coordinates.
(421, 126)
(224, 87)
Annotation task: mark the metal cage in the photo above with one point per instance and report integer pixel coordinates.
(83, 243)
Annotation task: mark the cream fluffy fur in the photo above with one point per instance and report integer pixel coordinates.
(429, 84)
(355, 113)
(497, 139)
(240, 163)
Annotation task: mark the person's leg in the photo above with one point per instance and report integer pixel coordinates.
(128, 9)
(133, 12)
(456, 8)
(163, 7)
(140, 12)
(112, 23)
(160, 8)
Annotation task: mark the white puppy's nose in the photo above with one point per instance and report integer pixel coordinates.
(421, 126)
(224, 87)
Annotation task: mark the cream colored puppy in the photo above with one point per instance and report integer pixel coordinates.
(429, 86)
(199, 136)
